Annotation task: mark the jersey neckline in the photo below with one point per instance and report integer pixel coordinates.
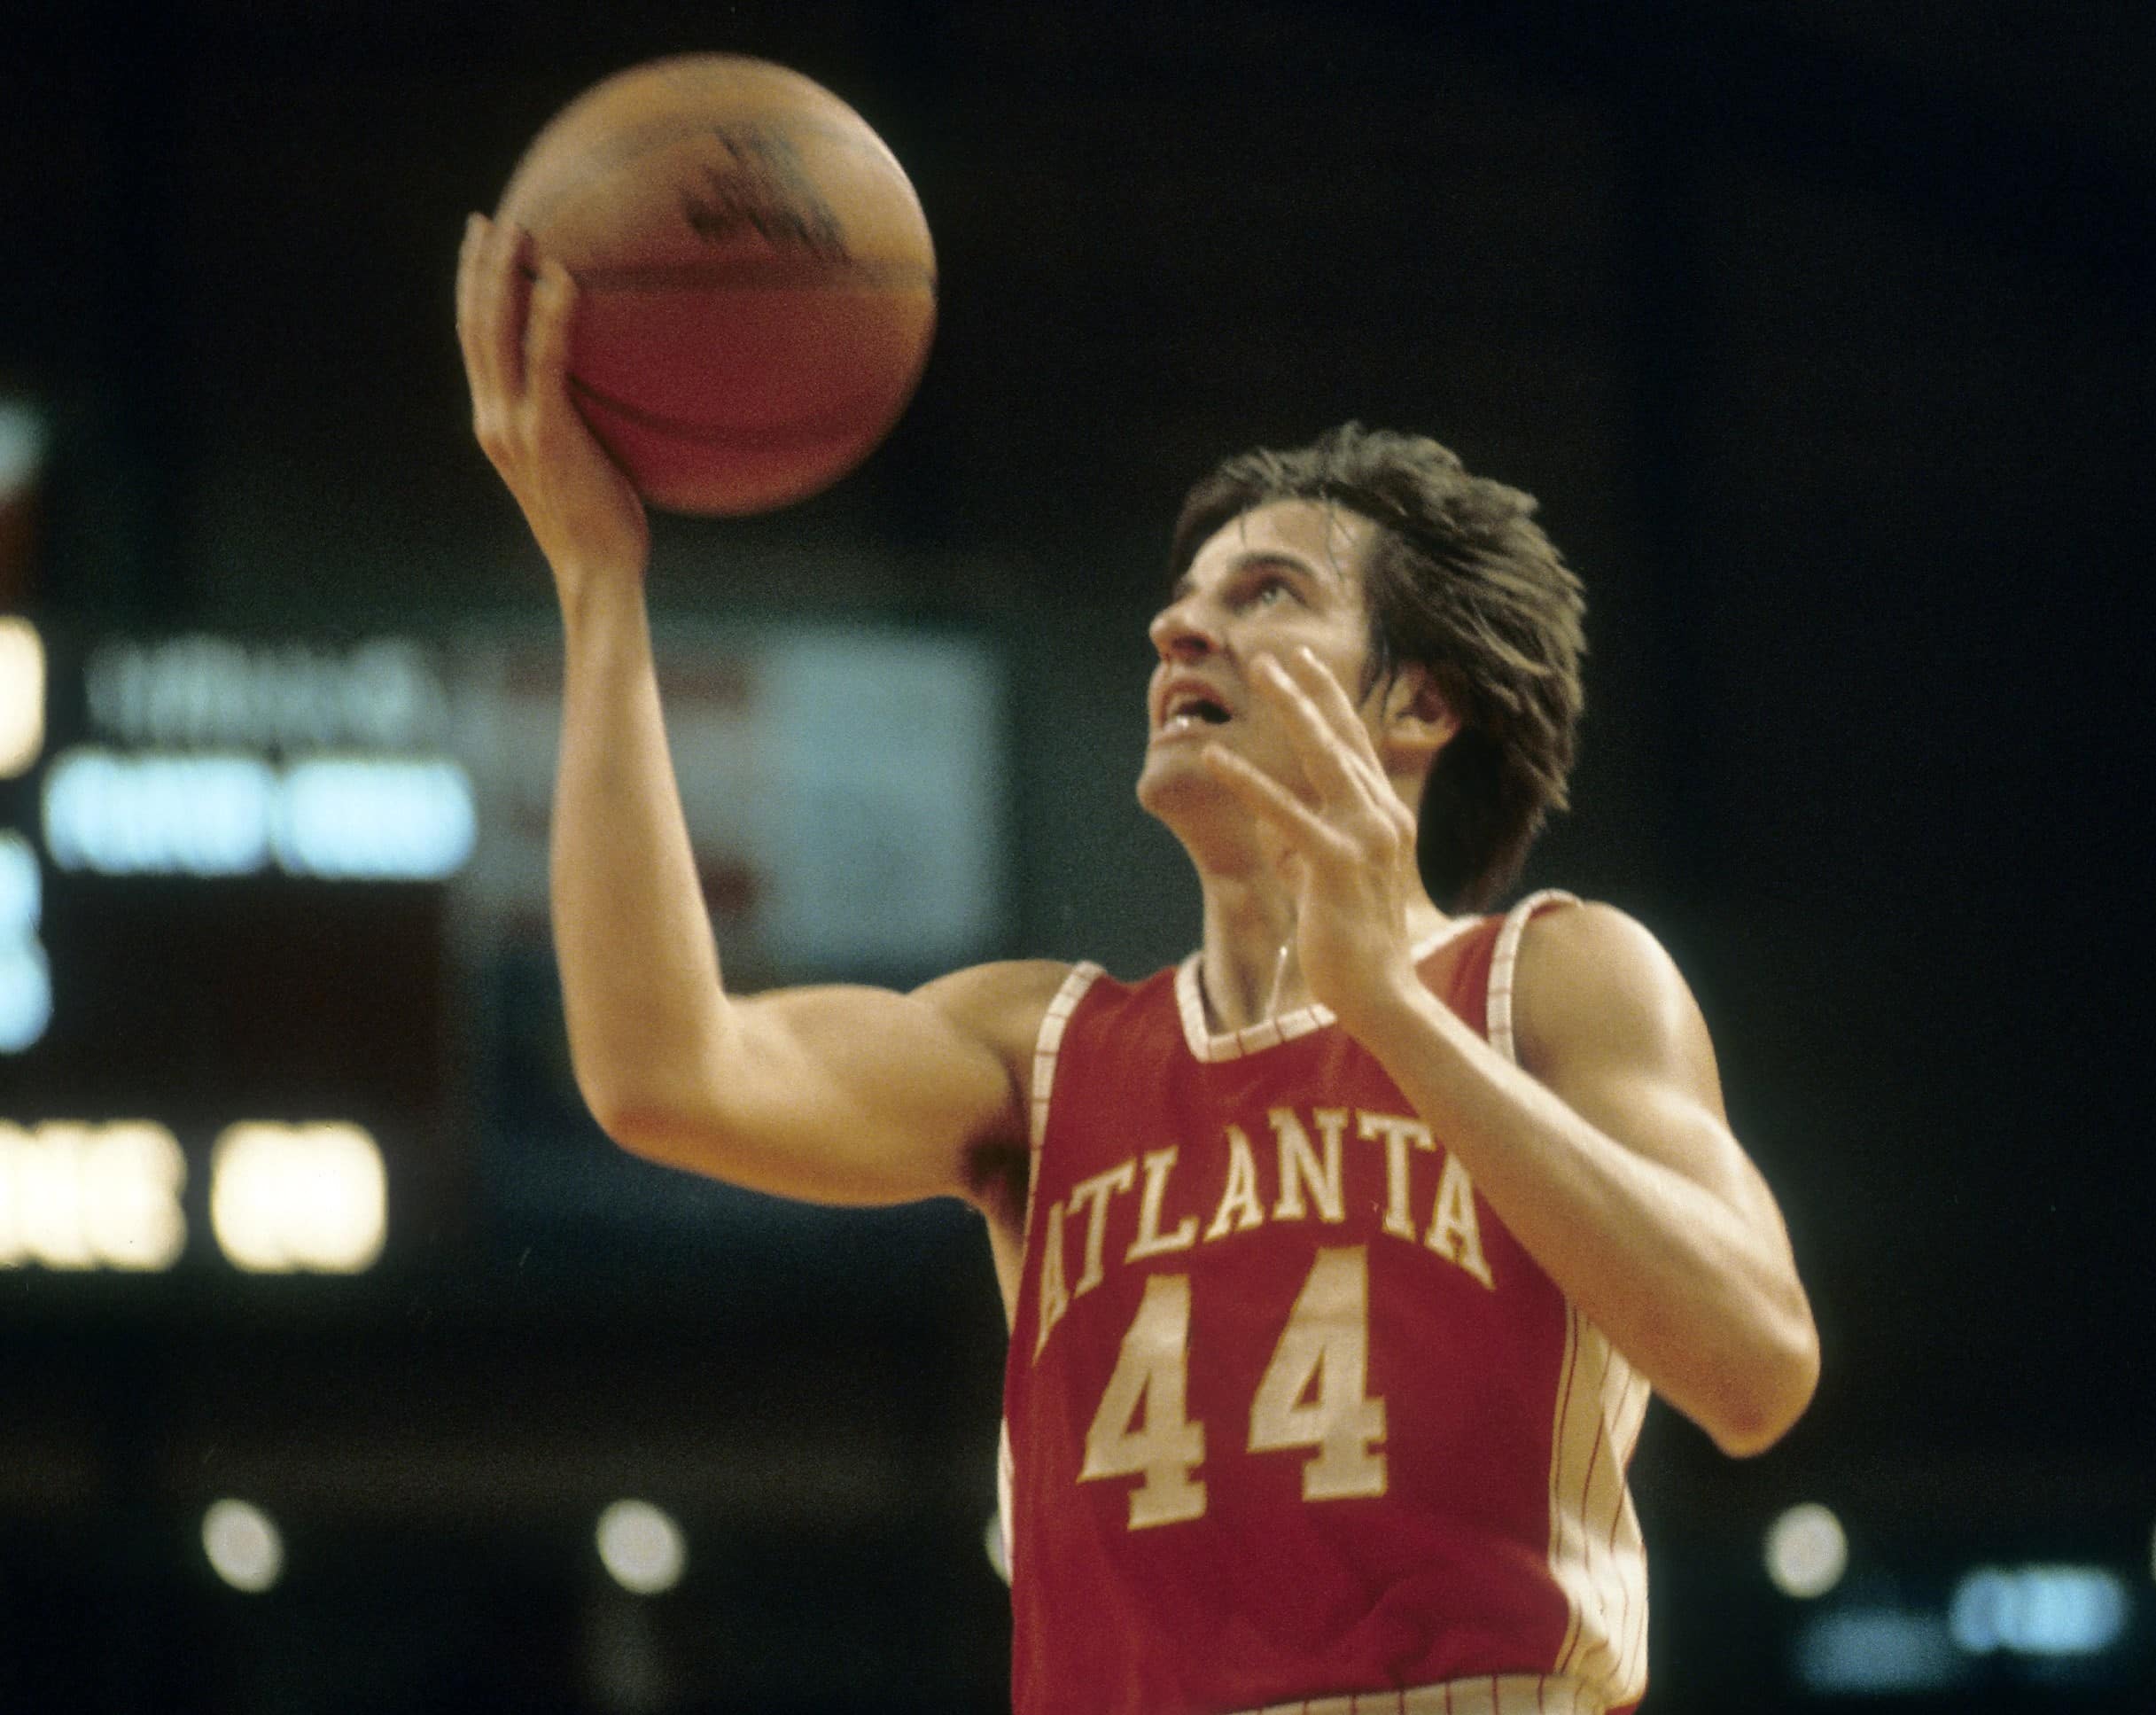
(1208, 1047)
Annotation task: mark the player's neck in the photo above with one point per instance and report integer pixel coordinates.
(1248, 967)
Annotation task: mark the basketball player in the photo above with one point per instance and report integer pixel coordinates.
(1341, 1258)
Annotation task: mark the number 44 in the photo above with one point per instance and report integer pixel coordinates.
(1312, 1395)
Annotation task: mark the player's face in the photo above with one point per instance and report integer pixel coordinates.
(1285, 576)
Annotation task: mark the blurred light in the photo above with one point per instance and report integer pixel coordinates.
(627, 1669)
(21, 887)
(1866, 1650)
(26, 978)
(133, 815)
(243, 1544)
(204, 692)
(641, 1547)
(999, 1550)
(284, 1197)
(77, 1196)
(347, 819)
(22, 696)
(22, 446)
(2039, 1610)
(339, 819)
(1807, 1551)
(26, 992)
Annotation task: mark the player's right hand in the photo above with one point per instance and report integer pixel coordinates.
(513, 322)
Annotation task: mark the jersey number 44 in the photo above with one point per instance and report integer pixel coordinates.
(1314, 1394)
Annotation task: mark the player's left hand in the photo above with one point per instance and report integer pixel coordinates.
(1350, 841)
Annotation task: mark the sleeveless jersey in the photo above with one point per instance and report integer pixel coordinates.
(1291, 1418)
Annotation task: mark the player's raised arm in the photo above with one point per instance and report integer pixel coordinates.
(1605, 1149)
(839, 1095)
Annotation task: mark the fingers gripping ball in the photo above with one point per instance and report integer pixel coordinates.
(756, 284)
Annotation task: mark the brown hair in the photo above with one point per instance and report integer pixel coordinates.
(1460, 579)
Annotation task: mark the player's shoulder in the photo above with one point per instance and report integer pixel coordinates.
(1002, 1002)
(1581, 938)
(1591, 975)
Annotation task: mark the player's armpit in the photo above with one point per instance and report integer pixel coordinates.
(852, 1094)
(1604, 1019)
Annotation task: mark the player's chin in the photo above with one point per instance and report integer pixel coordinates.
(1175, 773)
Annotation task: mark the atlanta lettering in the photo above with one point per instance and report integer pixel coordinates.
(1163, 1212)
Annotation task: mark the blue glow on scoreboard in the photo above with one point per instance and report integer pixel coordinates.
(345, 818)
(210, 757)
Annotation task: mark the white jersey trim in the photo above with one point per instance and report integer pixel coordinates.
(1208, 1047)
(1049, 1044)
(1503, 961)
(1495, 1694)
(1007, 1472)
(1597, 1556)
(1047, 1048)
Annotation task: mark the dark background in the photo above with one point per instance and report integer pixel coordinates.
(1826, 337)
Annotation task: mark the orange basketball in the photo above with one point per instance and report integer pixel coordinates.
(756, 288)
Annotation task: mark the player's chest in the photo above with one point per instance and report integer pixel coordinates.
(1316, 1286)
(1241, 1194)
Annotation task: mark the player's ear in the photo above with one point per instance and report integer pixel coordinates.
(1419, 718)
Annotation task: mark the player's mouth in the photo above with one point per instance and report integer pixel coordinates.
(1189, 708)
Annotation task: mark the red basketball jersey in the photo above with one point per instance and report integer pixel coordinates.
(1290, 1417)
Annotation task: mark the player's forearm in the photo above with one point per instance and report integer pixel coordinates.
(1696, 1291)
(639, 965)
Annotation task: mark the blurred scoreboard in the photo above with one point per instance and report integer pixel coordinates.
(276, 986)
(224, 997)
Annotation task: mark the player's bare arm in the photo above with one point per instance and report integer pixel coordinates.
(839, 1095)
(1606, 1150)
(1676, 1222)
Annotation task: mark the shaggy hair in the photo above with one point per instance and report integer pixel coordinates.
(1460, 579)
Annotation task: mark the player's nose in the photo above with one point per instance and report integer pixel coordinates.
(1182, 632)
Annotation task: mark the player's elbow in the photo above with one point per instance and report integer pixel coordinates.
(644, 1122)
(1775, 1388)
(637, 1128)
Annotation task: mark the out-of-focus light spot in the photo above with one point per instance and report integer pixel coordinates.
(285, 1197)
(999, 1550)
(22, 696)
(25, 994)
(204, 692)
(642, 1548)
(347, 819)
(2039, 1610)
(76, 1196)
(1869, 1650)
(26, 978)
(139, 815)
(1807, 1551)
(22, 446)
(243, 1544)
(336, 818)
(21, 887)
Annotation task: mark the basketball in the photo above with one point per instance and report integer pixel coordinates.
(756, 282)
